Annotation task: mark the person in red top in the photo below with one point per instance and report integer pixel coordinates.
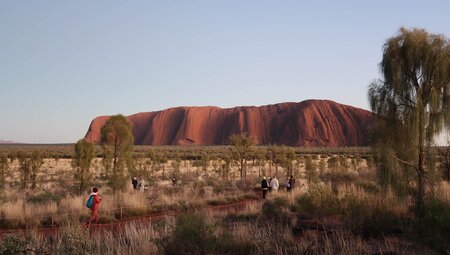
(95, 206)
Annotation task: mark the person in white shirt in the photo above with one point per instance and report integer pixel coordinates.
(274, 184)
(141, 185)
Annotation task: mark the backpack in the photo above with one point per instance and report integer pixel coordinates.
(90, 202)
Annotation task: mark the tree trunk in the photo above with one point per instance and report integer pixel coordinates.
(80, 191)
(420, 192)
(242, 168)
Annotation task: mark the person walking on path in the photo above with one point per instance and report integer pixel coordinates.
(291, 182)
(134, 182)
(264, 187)
(287, 184)
(274, 184)
(269, 182)
(95, 206)
(141, 185)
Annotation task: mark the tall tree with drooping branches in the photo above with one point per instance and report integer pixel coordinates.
(412, 102)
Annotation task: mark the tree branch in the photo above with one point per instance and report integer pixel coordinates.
(404, 162)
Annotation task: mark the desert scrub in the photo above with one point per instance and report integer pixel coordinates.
(434, 229)
(16, 244)
(276, 211)
(75, 240)
(368, 186)
(44, 197)
(370, 216)
(319, 201)
(192, 234)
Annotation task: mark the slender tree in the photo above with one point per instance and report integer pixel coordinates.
(4, 170)
(117, 140)
(412, 101)
(84, 154)
(24, 168)
(287, 160)
(36, 161)
(310, 169)
(242, 146)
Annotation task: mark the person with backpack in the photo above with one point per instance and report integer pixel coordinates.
(264, 187)
(93, 203)
(287, 184)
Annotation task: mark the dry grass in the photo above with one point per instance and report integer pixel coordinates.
(199, 191)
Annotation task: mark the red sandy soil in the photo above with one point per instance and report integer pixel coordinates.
(308, 123)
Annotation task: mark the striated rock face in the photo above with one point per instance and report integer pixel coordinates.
(308, 123)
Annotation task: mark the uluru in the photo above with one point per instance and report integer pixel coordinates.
(308, 123)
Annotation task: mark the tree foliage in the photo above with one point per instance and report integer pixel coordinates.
(84, 154)
(117, 140)
(413, 104)
(4, 170)
(29, 167)
(242, 147)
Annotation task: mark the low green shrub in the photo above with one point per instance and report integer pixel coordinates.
(193, 235)
(276, 211)
(42, 198)
(16, 244)
(368, 186)
(370, 218)
(75, 240)
(434, 229)
(227, 244)
(319, 201)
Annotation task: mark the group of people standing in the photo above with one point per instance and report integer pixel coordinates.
(138, 184)
(272, 185)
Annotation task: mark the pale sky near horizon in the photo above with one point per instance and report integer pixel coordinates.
(62, 63)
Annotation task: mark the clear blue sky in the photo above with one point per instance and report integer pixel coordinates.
(64, 62)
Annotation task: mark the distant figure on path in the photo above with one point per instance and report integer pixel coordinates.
(287, 184)
(141, 185)
(174, 181)
(264, 187)
(274, 184)
(269, 182)
(291, 182)
(95, 198)
(134, 182)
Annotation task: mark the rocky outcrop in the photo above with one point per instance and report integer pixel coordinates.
(308, 123)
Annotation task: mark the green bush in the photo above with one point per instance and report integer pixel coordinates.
(15, 244)
(368, 186)
(319, 202)
(75, 241)
(193, 235)
(43, 198)
(370, 218)
(227, 244)
(434, 229)
(276, 211)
